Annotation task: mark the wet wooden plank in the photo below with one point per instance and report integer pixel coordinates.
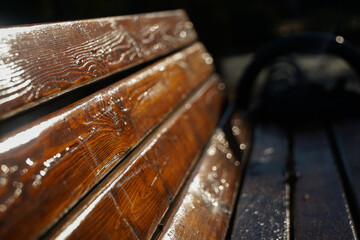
(204, 208)
(48, 165)
(242, 129)
(347, 137)
(43, 61)
(132, 201)
(319, 205)
(262, 209)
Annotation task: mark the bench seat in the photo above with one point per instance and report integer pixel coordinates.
(295, 183)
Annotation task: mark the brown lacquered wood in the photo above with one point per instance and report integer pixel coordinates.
(204, 208)
(40, 62)
(262, 209)
(347, 137)
(132, 201)
(48, 165)
(319, 206)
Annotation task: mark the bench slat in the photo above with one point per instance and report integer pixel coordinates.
(347, 137)
(262, 207)
(242, 131)
(44, 61)
(320, 210)
(204, 208)
(132, 201)
(48, 165)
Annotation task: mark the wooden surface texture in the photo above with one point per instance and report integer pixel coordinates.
(262, 208)
(43, 61)
(132, 201)
(48, 165)
(293, 187)
(347, 137)
(204, 208)
(320, 209)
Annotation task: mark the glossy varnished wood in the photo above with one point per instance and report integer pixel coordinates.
(204, 208)
(48, 165)
(347, 138)
(44, 61)
(262, 208)
(320, 210)
(131, 202)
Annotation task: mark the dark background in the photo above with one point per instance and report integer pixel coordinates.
(226, 27)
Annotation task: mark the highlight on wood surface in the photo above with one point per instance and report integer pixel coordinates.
(241, 129)
(131, 202)
(48, 165)
(43, 61)
(204, 208)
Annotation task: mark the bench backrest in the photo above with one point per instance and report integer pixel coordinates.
(124, 150)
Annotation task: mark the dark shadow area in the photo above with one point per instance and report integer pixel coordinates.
(288, 93)
(281, 84)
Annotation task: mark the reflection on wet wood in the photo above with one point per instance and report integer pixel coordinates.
(241, 128)
(347, 137)
(204, 208)
(132, 201)
(48, 165)
(320, 208)
(262, 206)
(43, 61)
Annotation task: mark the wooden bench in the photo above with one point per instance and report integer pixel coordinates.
(119, 128)
(110, 129)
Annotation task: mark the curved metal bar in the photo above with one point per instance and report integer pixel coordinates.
(308, 42)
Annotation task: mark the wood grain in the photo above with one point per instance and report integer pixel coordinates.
(132, 201)
(48, 165)
(43, 61)
(262, 207)
(204, 208)
(320, 208)
(347, 137)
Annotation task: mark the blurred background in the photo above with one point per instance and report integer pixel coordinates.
(231, 30)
